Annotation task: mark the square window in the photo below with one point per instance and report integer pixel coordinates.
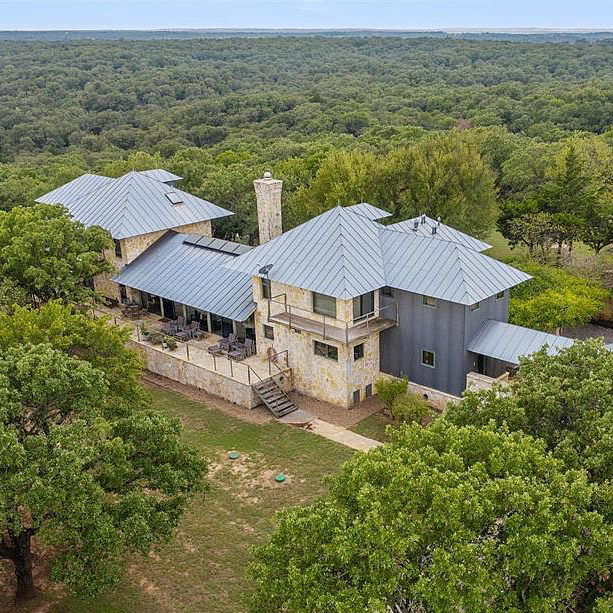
(428, 358)
(269, 332)
(387, 291)
(324, 305)
(430, 302)
(500, 295)
(266, 289)
(358, 351)
(474, 307)
(325, 351)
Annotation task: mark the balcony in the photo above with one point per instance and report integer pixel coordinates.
(296, 318)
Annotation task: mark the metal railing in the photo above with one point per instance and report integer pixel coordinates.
(363, 320)
(222, 364)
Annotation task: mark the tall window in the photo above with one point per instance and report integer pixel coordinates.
(363, 305)
(266, 290)
(325, 351)
(324, 305)
(117, 247)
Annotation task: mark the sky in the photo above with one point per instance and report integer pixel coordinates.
(384, 14)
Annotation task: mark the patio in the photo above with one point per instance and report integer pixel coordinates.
(248, 371)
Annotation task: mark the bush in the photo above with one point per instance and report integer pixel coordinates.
(410, 407)
(155, 338)
(389, 390)
(171, 343)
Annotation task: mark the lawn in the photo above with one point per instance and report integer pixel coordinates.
(374, 427)
(203, 569)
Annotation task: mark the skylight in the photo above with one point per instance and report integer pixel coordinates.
(174, 198)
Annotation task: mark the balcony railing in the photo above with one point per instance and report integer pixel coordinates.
(330, 328)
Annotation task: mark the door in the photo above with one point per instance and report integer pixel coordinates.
(481, 364)
(169, 309)
(363, 305)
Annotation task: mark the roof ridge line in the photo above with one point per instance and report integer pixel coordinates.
(120, 226)
(459, 249)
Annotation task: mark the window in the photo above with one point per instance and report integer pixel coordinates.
(356, 397)
(266, 289)
(368, 390)
(269, 332)
(358, 351)
(117, 247)
(363, 305)
(500, 295)
(430, 302)
(387, 291)
(123, 293)
(325, 351)
(474, 307)
(428, 358)
(324, 305)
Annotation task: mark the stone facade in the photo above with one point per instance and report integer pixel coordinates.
(268, 195)
(131, 248)
(333, 381)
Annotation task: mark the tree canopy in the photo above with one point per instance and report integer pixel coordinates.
(49, 255)
(441, 519)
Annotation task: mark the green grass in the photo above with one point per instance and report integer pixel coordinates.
(203, 569)
(373, 427)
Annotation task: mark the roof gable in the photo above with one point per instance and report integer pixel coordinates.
(368, 210)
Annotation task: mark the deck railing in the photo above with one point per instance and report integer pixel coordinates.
(345, 327)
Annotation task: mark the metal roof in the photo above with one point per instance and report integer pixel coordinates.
(159, 174)
(444, 270)
(68, 193)
(368, 210)
(177, 270)
(508, 342)
(343, 254)
(132, 205)
(425, 226)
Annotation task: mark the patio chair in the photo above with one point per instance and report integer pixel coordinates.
(215, 349)
(249, 347)
(170, 328)
(238, 353)
(196, 331)
(228, 343)
(180, 322)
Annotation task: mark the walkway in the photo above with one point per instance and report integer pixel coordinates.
(341, 435)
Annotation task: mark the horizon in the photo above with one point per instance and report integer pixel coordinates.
(391, 15)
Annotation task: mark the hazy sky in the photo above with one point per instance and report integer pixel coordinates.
(397, 14)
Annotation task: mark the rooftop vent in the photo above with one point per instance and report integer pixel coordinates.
(415, 225)
(433, 229)
(423, 219)
(174, 198)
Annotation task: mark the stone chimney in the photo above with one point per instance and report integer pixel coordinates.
(268, 195)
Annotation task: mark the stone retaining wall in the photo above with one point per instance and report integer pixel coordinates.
(164, 363)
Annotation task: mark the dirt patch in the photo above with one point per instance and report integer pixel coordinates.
(335, 414)
(590, 331)
(259, 415)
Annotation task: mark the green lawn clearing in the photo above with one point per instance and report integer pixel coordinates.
(374, 427)
(203, 569)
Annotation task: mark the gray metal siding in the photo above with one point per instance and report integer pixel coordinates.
(421, 327)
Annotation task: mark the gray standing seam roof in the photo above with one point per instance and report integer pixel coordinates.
(343, 254)
(178, 270)
(159, 174)
(443, 232)
(508, 342)
(368, 210)
(131, 205)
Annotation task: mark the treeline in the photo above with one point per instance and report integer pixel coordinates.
(163, 95)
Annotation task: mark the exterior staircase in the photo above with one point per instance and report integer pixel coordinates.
(274, 398)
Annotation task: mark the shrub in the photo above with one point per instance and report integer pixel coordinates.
(410, 407)
(171, 343)
(155, 338)
(389, 390)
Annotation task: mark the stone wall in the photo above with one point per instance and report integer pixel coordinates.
(476, 382)
(166, 364)
(330, 380)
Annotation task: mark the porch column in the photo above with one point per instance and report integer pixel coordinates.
(208, 322)
(161, 306)
(184, 312)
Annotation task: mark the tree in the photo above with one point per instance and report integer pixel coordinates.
(78, 335)
(11, 295)
(554, 298)
(441, 519)
(94, 489)
(566, 400)
(50, 256)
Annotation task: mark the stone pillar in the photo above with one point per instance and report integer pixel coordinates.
(268, 195)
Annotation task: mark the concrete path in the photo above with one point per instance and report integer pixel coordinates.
(341, 435)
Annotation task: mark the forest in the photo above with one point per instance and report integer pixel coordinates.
(490, 135)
